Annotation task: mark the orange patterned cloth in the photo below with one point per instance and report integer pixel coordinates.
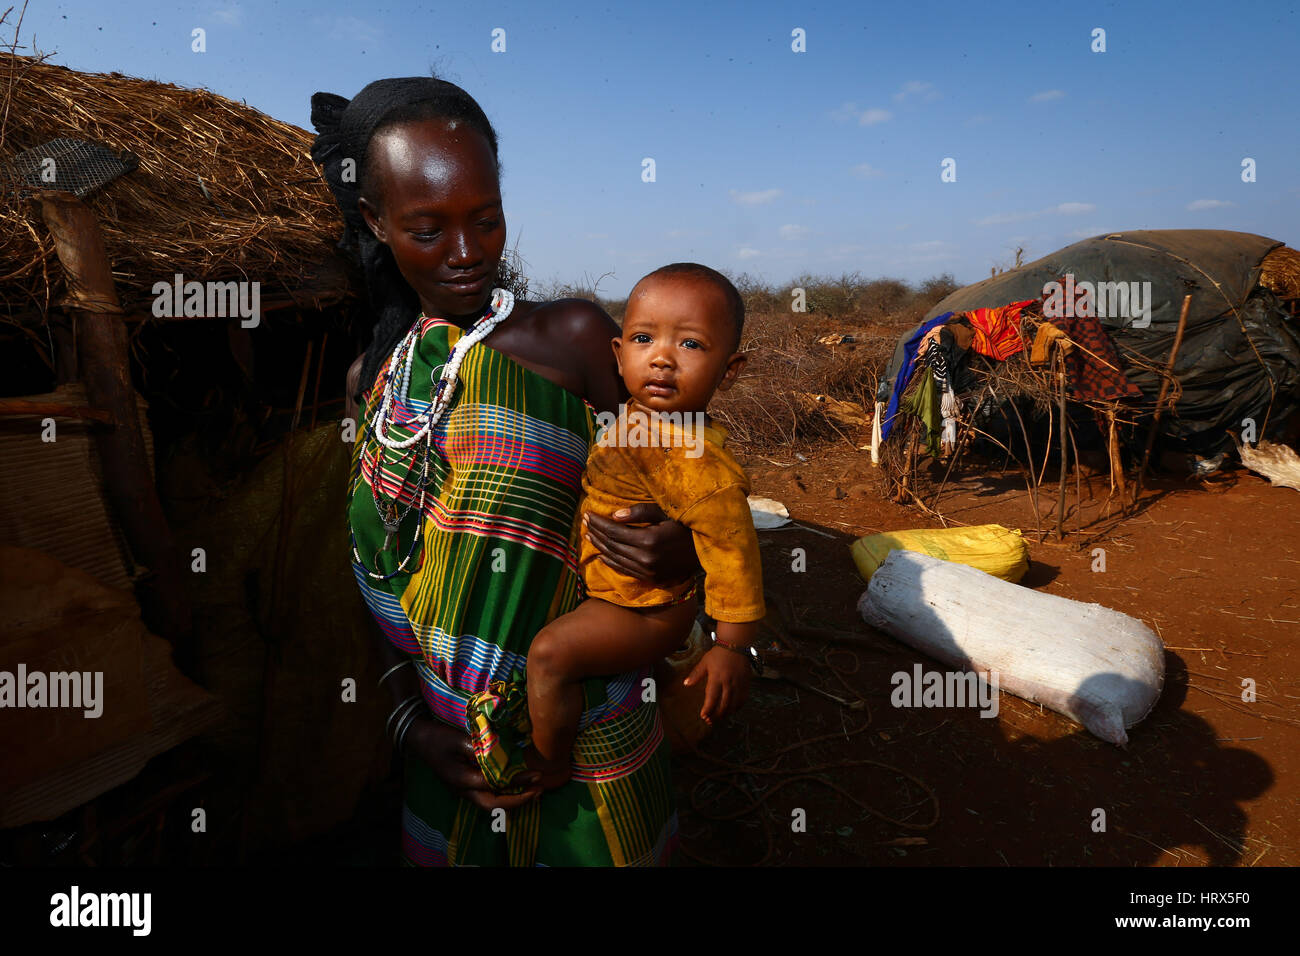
(997, 331)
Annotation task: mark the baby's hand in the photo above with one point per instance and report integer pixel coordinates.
(726, 677)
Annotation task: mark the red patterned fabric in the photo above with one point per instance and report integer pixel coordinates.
(997, 331)
(1089, 379)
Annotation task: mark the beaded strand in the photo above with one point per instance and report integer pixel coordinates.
(398, 376)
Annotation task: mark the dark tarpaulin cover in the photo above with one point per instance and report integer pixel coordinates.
(1222, 380)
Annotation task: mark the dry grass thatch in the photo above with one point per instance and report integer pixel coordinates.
(1280, 272)
(266, 216)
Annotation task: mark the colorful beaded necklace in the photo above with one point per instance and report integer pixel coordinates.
(398, 376)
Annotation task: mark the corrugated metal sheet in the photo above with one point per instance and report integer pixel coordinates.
(51, 493)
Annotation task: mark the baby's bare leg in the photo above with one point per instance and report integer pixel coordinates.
(594, 639)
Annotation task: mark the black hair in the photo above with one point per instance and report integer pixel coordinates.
(346, 131)
(693, 270)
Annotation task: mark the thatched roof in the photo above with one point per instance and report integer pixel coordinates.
(267, 215)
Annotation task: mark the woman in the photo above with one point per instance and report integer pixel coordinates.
(476, 419)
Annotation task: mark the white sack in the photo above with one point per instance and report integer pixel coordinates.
(767, 513)
(1090, 663)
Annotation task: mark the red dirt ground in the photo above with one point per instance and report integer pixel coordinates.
(1206, 778)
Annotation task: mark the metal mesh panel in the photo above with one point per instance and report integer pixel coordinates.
(73, 165)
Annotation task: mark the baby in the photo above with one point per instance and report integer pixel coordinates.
(679, 344)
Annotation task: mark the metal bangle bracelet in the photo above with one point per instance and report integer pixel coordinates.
(407, 724)
(388, 673)
(410, 722)
(407, 710)
(407, 706)
(388, 726)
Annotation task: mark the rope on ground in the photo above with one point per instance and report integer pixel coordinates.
(743, 777)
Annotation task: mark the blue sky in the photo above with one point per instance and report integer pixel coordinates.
(780, 163)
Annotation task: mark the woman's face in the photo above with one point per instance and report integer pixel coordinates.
(439, 211)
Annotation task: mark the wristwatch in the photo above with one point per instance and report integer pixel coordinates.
(750, 653)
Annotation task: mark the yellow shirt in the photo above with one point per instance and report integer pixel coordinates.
(696, 482)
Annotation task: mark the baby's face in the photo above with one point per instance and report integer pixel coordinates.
(676, 346)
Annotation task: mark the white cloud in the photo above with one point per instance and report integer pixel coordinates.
(232, 14)
(930, 251)
(791, 231)
(918, 89)
(1047, 96)
(363, 33)
(1002, 218)
(850, 111)
(748, 252)
(1061, 209)
(846, 112)
(867, 171)
(756, 198)
(847, 251)
(1197, 205)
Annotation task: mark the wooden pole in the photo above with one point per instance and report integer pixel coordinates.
(315, 391)
(104, 361)
(18, 406)
(1160, 399)
(1058, 365)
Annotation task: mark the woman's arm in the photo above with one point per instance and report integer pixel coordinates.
(447, 751)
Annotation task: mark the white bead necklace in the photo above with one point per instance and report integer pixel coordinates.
(403, 357)
(502, 303)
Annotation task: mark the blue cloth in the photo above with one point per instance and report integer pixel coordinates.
(905, 372)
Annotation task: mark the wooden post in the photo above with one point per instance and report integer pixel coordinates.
(18, 406)
(1160, 399)
(315, 392)
(104, 362)
(1059, 366)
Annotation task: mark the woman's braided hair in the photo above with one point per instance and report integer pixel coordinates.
(345, 131)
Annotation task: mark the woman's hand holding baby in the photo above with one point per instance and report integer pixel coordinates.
(663, 552)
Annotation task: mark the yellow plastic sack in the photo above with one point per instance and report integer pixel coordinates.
(990, 548)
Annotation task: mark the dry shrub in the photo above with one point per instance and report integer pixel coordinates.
(585, 288)
(757, 295)
(884, 297)
(512, 274)
(763, 411)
